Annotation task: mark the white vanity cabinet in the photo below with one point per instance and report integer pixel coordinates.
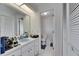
(28, 49)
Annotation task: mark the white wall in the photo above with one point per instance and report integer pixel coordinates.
(47, 24)
(58, 42)
(35, 23)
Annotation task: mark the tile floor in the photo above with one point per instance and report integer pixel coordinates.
(48, 51)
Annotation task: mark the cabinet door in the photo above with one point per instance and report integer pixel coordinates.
(31, 48)
(31, 51)
(28, 49)
(36, 47)
(25, 51)
(15, 53)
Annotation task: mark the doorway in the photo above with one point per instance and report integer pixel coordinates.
(47, 32)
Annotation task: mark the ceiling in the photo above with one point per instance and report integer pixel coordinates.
(42, 7)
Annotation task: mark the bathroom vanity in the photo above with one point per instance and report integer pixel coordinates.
(18, 22)
(30, 47)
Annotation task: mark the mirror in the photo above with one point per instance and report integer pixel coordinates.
(24, 24)
(7, 25)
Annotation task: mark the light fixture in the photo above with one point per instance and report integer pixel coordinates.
(44, 13)
(25, 7)
(19, 4)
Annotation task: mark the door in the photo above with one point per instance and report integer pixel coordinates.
(48, 30)
(47, 27)
(28, 49)
(73, 29)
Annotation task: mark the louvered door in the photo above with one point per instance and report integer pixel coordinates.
(74, 27)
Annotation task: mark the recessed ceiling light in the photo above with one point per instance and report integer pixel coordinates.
(47, 12)
(44, 13)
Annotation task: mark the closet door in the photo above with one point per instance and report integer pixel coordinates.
(74, 28)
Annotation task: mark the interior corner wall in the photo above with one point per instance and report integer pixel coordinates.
(65, 29)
